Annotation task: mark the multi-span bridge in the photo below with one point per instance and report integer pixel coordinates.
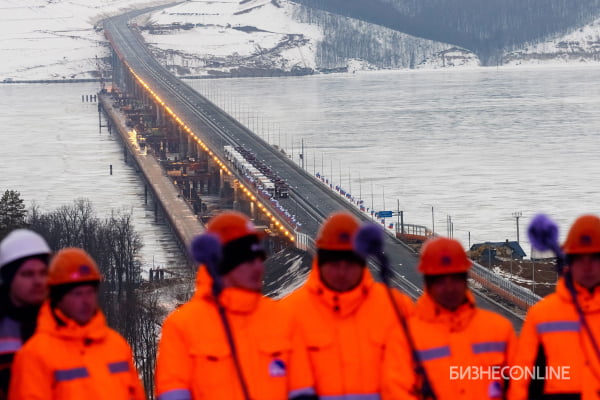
(204, 132)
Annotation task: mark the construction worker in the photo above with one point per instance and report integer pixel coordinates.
(558, 344)
(24, 269)
(235, 343)
(73, 353)
(344, 316)
(453, 349)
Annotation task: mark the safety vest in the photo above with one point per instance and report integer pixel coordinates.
(346, 334)
(464, 353)
(555, 347)
(64, 360)
(195, 360)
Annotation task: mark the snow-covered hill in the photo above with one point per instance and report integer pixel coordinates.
(258, 37)
(55, 39)
(61, 39)
(580, 46)
(200, 37)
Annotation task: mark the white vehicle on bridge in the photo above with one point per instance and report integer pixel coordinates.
(256, 171)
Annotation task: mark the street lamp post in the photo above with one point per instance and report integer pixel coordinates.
(517, 215)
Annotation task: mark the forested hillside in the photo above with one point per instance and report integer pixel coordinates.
(486, 27)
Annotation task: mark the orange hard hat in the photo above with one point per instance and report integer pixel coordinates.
(337, 232)
(232, 225)
(443, 256)
(584, 236)
(72, 265)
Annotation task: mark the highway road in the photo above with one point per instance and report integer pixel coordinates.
(310, 201)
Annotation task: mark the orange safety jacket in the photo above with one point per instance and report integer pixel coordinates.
(64, 361)
(462, 351)
(346, 334)
(554, 344)
(195, 360)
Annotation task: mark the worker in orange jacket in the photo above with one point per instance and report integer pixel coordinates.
(195, 358)
(558, 347)
(24, 257)
(73, 353)
(454, 349)
(344, 316)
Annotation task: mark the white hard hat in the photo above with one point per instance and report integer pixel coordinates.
(21, 243)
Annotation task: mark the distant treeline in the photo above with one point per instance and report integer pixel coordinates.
(486, 27)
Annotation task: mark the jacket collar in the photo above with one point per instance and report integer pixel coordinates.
(457, 320)
(235, 300)
(340, 303)
(590, 302)
(54, 322)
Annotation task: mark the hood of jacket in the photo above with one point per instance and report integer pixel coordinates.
(341, 303)
(428, 310)
(56, 323)
(589, 301)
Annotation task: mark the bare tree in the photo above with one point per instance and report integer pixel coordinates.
(115, 245)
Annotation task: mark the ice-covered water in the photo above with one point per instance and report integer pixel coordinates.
(53, 153)
(477, 146)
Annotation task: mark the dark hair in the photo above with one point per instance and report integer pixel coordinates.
(327, 256)
(57, 292)
(8, 271)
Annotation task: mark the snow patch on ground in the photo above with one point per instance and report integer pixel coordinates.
(55, 39)
(206, 35)
(451, 58)
(580, 46)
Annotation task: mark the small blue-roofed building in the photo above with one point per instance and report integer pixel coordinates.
(484, 252)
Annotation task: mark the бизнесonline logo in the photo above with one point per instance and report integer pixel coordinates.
(497, 372)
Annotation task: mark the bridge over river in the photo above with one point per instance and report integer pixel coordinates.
(204, 130)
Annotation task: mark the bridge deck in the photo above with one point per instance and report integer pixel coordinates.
(183, 221)
(309, 200)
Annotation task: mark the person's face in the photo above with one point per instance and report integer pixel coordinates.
(248, 275)
(585, 269)
(342, 275)
(30, 284)
(80, 303)
(449, 291)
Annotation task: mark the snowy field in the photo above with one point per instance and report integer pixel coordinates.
(54, 39)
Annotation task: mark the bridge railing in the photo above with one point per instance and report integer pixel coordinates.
(508, 290)
(304, 242)
(511, 292)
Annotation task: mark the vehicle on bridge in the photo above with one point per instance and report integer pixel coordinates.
(256, 172)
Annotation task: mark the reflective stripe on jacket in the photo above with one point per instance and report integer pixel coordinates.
(10, 342)
(194, 358)
(463, 353)
(553, 336)
(69, 361)
(346, 334)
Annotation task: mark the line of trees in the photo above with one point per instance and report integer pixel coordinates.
(488, 28)
(345, 39)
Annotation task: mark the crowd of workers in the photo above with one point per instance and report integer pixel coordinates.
(342, 335)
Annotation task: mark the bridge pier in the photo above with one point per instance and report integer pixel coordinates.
(196, 175)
